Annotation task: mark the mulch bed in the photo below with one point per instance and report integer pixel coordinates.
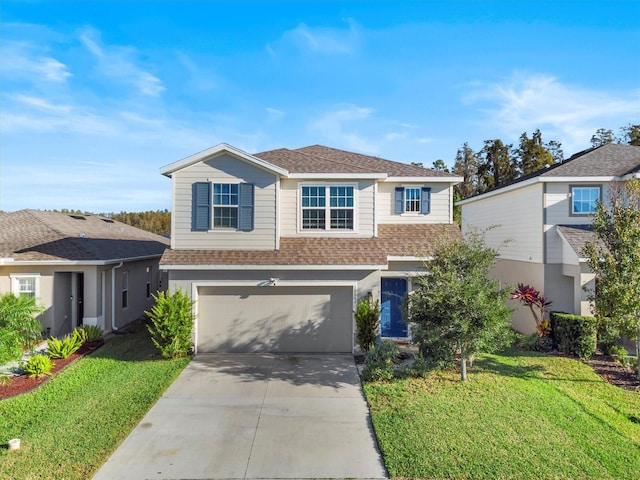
(614, 372)
(22, 383)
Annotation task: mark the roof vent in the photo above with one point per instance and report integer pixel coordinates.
(107, 220)
(77, 217)
(82, 235)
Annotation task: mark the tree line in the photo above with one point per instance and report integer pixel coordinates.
(154, 221)
(498, 163)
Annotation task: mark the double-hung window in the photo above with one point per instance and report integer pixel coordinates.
(125, 290)
(25, 284)
(584, 199)
(413, 200)
(327, 207)
(225, 205)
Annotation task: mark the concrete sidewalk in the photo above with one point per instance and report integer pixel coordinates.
(254, 416)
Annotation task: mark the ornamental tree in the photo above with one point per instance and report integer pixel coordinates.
(456, 306)
(532, 298)
(614, 258)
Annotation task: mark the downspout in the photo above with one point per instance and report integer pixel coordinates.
(113, 296)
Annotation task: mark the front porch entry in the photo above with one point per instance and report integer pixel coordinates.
(393, 293)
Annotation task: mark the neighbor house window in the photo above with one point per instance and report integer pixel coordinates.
(27, 285)
(225, 205)
(125, 289)
(339, 210)
(584, 199)
(413, 200)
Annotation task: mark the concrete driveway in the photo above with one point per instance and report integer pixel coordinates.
(254, 416)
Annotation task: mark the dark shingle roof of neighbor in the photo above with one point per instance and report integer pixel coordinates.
(321, 159)
(34, 235)
(392, 240)
(607, 160)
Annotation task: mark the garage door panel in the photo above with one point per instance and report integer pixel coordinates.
(275, 319)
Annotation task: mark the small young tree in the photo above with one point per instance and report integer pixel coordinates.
(614, 257)
(367, 322)
(172, 323)
(457, 306)
(532, 298)
(19, 326)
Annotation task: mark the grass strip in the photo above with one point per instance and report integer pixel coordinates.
(521, 416)
(70, 426)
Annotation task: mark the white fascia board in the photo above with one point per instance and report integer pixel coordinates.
(425, 179)
(167, 170)
(273, 267)
(23, 263)
(338, 176)
(408, 258)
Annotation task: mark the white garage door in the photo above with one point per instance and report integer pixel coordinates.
(275, 319)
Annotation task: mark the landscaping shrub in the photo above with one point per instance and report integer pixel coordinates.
(89, 333)
(608, 335)
(379, 362)
(367, 323)
(172, 323)
(38, 365)
(19, 327)
(65, 347)
(574, 334)
(620, 355)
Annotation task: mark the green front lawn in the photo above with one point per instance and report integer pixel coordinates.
(70, 425)
(521, 416)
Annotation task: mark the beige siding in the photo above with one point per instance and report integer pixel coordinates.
(557, 209)
(225, 169)
(290, 208)
(517, 217)
(440, 204)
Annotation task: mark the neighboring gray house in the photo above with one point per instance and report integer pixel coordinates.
(546, 218)
(276, 248)
(84, 269)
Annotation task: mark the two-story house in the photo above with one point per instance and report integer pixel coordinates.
(545, 218)
(277, 247)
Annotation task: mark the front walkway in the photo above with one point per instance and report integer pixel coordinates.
(255, 416)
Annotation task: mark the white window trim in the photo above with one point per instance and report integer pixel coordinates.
(15, 283)
(326, 185)
(404, 200)
(214, 206)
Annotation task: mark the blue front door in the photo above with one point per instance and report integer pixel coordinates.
(394, 290)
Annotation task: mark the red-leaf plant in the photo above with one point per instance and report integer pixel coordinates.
(529, 296)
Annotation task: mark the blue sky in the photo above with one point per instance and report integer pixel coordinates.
(96, 96)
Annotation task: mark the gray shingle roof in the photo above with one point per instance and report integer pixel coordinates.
(392, 240)
(321, 159)
(607, 160)
(33, 235)
(578, 236)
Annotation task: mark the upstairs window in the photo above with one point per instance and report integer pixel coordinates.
(584, 199)
(222, 206)
(413, 200)
(225, 205)
(320, 214)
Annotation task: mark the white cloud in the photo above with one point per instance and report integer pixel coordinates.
(274, 115)
(40, 103)
(25, 60)
(569, 113)
(323, 40)
(120, 63)
(337, 127)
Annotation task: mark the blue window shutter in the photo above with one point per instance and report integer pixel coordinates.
(201, 206)
(399, 199)
(425, 200)
(245, 207)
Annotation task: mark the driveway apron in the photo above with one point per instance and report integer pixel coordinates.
(254, 416)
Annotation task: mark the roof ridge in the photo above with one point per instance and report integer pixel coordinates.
(34, 214)
(337, 162)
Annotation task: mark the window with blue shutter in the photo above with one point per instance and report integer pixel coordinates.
(412, 200)
(245, 207)
(201, 206)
